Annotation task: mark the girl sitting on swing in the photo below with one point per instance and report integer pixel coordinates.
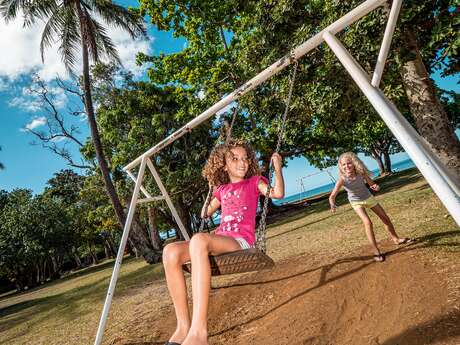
(233, 171)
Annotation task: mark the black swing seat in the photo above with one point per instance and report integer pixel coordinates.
(245, 260)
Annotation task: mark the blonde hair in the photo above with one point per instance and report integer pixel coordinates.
(359, 166)
(214, 170)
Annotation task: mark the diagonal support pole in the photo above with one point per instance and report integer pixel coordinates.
(121, 250)
(398, 126)
(386, 43)
(165, 194)
(143, 190)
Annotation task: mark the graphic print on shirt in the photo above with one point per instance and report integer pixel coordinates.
(234, 214)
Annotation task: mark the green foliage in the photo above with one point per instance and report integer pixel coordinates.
(328, 113)
(437, 27)
(33, 230)
(451, 103)
(134, 116)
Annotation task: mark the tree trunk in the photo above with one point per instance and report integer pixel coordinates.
(141, 241)
(378, 159)
(430, 118)
(91, 253)
(157, 242)
(55, 271)
(108, 253)
(76, 258)
(184, 215)
(387, 161)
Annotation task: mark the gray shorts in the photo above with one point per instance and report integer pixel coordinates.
(243, 243)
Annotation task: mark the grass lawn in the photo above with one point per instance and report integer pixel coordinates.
(67, 311)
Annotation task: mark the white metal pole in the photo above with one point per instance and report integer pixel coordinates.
(394, 119)
(165, 194)
(386, 43)
(352, 16)
(143, 190)
(121, 250)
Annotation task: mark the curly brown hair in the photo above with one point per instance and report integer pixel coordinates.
(214, 171)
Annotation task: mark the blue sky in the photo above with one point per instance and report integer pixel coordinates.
(28, 166)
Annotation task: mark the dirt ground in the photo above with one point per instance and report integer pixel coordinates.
(348, 300)
(325, 288)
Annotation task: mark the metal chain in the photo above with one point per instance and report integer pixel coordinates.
(206, 203)
(261, 242)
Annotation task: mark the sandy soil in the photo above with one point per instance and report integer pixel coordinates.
(323, 300)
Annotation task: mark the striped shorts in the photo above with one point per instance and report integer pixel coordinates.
(243, 243)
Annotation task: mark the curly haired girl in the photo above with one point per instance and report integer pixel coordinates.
(232, 170)
(353, 176)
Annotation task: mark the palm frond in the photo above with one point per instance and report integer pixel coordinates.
(53, 28)
(9, 8)
(39, 9)
(70, 38)
(103, 42)
(119, 16)
(31, 10)
(90, 35)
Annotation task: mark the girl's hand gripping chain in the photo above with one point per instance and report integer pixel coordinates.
(375, 187)
(277, 161)
(333, 207)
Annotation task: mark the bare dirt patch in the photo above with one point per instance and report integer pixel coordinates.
(324, 300)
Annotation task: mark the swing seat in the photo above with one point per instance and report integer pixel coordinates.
(240, 261)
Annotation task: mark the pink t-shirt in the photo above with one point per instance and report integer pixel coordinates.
(238, 202)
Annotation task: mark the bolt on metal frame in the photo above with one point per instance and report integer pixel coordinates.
(443, 184)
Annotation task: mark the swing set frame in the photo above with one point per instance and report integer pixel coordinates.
(441, 181)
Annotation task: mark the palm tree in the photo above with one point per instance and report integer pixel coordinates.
(73, 25)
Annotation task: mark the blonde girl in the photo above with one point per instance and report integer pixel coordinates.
(353, 176)
(232, 170)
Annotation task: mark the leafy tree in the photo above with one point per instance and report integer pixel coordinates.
(326, 102)
(136, 115)
(451, 103)
(34, 236)
(74, 25)
(430, 40)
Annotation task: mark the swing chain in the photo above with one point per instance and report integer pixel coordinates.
(261, 242)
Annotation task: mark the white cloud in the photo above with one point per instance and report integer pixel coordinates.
(20, 49)
(128, 48)
(21, 55)
(30, 102)
(36, 122)
(59, 139)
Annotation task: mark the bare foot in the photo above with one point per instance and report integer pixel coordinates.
(179, 335)
(196, 338)
(399, 241)
(379, 257)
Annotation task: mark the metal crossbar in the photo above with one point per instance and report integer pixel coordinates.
(443, 184)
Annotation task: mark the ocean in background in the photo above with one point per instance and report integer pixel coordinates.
(400, 166)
